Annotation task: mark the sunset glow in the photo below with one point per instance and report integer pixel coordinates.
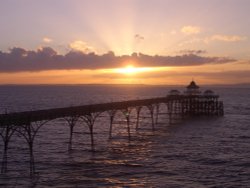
(113, 41)
(131, 70)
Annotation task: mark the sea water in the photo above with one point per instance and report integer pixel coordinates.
(199, 152)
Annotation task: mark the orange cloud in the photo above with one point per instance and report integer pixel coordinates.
(79, 45)
(189, 30)
(47, 40)
(227, 38)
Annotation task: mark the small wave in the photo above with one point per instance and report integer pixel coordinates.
(133, 165)
(163, 172)
(243, 164)
(244, 137)
(210, 161)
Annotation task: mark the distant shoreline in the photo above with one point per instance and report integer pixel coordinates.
(243, 85)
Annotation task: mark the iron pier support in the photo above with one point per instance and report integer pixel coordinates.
(111, 116)
(127, 113)
(90, 119)
(71, 122)
(138, 111)
(6, 132)
(29, 132)
(151, 111)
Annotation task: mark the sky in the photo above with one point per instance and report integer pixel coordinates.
(152, 42)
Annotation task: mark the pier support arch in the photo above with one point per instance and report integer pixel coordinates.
(6, 133)
(71, 122)
(29, 131)
(90, 119)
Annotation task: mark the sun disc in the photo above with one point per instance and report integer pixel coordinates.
(130, 69)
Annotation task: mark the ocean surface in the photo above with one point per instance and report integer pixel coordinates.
(199, 152)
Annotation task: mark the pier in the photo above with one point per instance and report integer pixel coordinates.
(191, 103)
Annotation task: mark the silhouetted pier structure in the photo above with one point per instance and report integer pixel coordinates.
(191, 103)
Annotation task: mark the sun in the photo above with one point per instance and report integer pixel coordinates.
(129, 70)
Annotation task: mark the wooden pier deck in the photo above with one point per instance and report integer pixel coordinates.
(28, 123)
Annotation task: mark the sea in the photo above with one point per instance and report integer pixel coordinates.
(196, 152)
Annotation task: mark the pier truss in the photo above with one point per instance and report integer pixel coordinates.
(27, 124)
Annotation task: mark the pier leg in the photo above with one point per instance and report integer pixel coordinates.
(170, 111)
(157, 113)
(151, 111)
(71, 126)
(89, 119)
(5, 159)
(29, 132)
(71, 122)
(138, 111)
(127, 112)
(6, 133)
(32, 159)
(128, 126)
(92, 135)
(182, 109)
(112, 116)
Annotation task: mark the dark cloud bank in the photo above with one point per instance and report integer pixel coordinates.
(19, 59)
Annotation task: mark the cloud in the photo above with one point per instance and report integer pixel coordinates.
(79, 45)
(46, 58)
(47, 40)
(197, 52)
(206, 40)
(190, 30)
(226, 38)
(139, 38)
(191, 41)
